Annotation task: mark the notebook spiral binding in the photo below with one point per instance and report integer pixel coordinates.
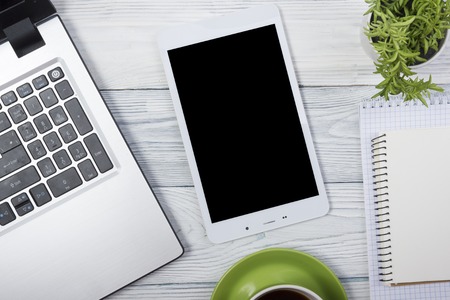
(381, 194)
(435, 98)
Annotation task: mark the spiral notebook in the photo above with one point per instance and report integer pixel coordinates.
(406, 173)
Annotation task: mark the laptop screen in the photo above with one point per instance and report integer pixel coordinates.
(4, 4)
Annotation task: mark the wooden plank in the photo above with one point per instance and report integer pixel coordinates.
(117, 39)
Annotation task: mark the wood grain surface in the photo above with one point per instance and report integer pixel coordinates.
(117, 39)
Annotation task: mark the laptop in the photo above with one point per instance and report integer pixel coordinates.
(78, 220)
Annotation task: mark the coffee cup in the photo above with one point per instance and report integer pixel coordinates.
(286, 292)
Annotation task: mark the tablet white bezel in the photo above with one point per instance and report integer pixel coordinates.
(267, 219)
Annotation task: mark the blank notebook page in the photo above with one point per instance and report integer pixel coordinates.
(418, 168)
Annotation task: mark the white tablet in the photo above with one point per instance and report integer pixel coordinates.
(242, 123)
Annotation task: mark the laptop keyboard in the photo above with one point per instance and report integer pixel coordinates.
(48, 146)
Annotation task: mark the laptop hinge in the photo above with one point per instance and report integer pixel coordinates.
(19, 20)
(24, 37)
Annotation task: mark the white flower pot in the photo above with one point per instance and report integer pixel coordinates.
(368, 48)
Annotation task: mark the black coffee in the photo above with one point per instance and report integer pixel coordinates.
(283, 294)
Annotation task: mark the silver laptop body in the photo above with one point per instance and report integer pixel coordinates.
(78, 219)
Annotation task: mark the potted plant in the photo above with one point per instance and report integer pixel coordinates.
(404, 34)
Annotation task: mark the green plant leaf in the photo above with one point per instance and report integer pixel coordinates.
(403, 32)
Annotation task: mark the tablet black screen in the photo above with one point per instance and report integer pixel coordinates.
(243, 123)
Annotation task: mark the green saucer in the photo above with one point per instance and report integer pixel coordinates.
(277, 266)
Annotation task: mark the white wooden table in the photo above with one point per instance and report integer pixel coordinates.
(117, 40)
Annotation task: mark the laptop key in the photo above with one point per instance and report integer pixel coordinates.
(67, 133)
(4, 122)
(55, 74)
(52, 141)
(19, 200)
(24, 90)
(22, 204)
(6, 214)
(77, 151)
(13, 160)
(17, 113)
(64, 90)
(87, 169)
(33, 106)
(18, 182)
(46, 167)
(40, 194)
(25, 208)
(9, 141)
(78, 116)
(98, 153)
(36, 149)
(9, 98)
(42, 123)
(27, 131)
(48, 97)
(64, 182)
(62, 159)
(40, 82)
(58, 115)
